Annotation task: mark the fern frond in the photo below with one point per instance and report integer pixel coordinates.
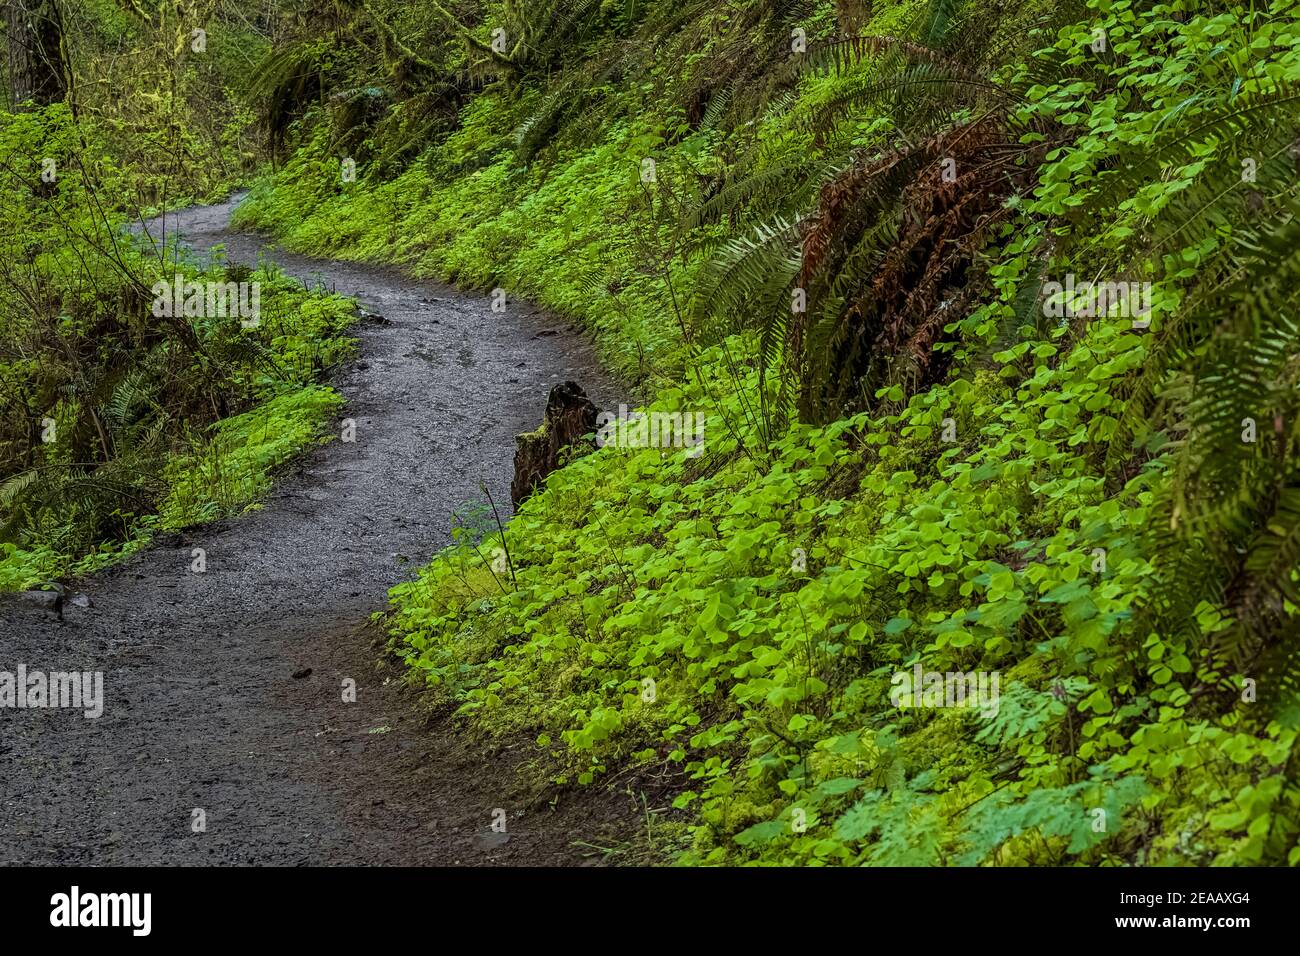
(742, 280)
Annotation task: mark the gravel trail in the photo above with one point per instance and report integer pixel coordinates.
(202, 708)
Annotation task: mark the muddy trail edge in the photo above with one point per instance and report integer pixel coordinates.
(202, 708)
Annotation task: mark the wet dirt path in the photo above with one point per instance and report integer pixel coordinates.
(202, 711)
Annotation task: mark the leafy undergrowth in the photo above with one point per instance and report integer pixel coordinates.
(218, 472)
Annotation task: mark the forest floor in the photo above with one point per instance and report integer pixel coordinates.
(203, 710)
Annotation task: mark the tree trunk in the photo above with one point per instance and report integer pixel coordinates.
(37, 65)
